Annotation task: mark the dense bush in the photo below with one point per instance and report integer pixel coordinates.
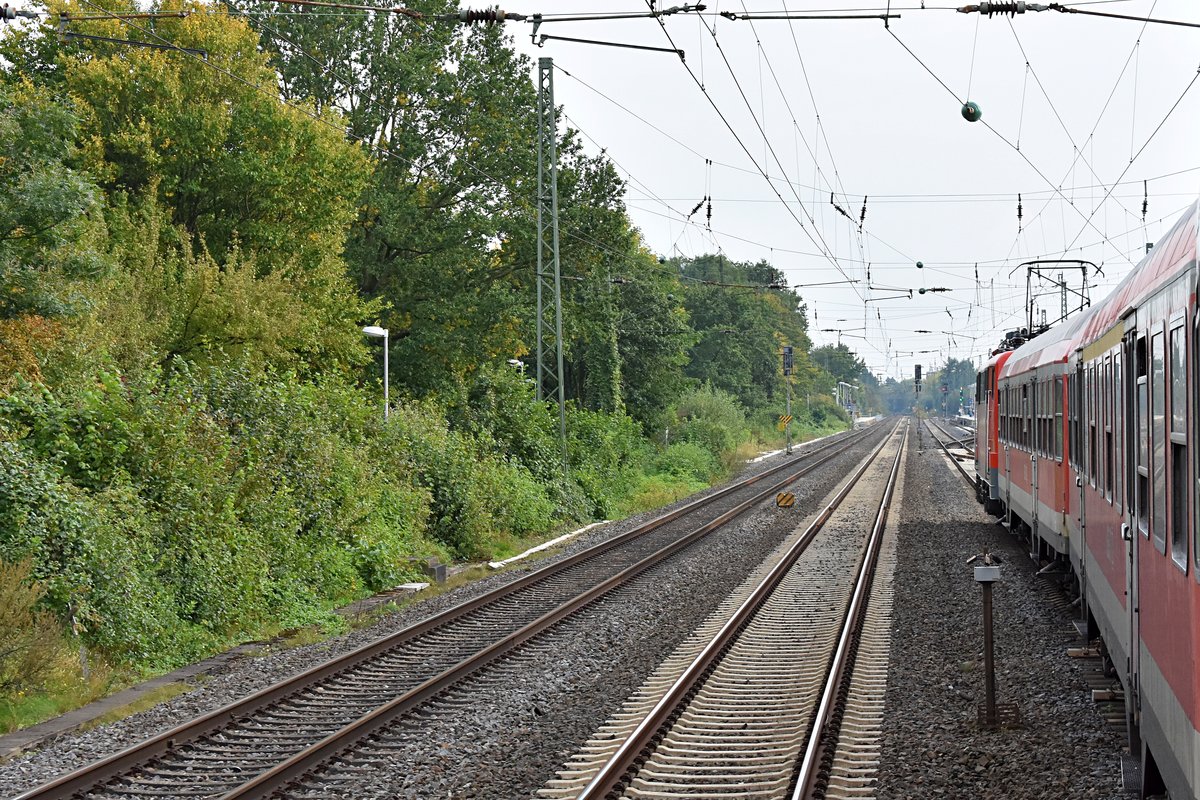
(689, 461)
(712, 419)
(174, 511)
(606, 452)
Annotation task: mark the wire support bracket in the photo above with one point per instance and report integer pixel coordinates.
(545, 37)
(134, 43)
(731, 15)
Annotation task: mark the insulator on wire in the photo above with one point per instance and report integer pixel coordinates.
(8, 12)
(709, 215)
(491, 16)
(1145, 200)
(1019, 214)
(863, 216)
(1011, 8)
(840, 210)
(698, 206)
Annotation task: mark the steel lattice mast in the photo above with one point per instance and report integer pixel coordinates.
(549, 277)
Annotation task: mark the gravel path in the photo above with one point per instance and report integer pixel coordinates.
(532, 719)
(932, 746)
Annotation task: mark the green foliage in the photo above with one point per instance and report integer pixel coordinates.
(606, 452)
(688, 460)
(712, 419)
(44, 238)
(236, 167)
(172, 512)
(839, 361)
(742, 320)
(472, 494)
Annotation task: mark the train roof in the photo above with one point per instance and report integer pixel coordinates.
(1178, 247)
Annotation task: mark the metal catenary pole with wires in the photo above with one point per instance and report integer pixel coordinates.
(549, 275)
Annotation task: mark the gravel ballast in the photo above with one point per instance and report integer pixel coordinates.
(932, 744)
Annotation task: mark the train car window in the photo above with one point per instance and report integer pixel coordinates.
(1057, 399)
(1158, 439)
(1108, 429)
(1178, 438)
(1092, 413)
(1032, 442)
(1038, 413)
(1101, 389)
(1046, 444)
(1001, 422)
(1143, 438)
(1003, 413)
(1036, 429)
(1119, 428)
(1025, 415)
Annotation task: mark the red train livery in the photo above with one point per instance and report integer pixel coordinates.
(1087, 438)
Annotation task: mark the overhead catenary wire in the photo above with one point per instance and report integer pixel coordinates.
(1141, 150)
(1053, 107)
(1005, 196)
(1003, 138)
(1095, 126)
(826, 254)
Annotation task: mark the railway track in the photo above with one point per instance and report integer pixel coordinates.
(261, 743)
(954, 434)
(778, 693)
(935, 429)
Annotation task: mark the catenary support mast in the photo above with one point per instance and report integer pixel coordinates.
(549, 276)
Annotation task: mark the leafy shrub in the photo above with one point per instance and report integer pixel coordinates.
(712, 419)
(473, 494)
(606, 453)
(170, 513)
(687, 460)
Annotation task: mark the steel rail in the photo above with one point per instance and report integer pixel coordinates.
(96, 774)
(961, 471)
(273, 781)
(823, 736)
(615, 772)
(965, 442)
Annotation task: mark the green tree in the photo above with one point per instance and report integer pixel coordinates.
(45, 239)
(743, 316)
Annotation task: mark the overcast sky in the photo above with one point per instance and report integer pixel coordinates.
(940, 190)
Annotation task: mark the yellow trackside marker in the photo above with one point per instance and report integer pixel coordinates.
(785, 499)
(784, 419)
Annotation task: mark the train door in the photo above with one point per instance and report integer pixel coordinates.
(1076, 396)
(1134, 359)
(1035, 444)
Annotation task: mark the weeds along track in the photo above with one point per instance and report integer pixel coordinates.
(254, 746)
(753, 704)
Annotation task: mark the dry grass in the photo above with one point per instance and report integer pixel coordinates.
(42, 674)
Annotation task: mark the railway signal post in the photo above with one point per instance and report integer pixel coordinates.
(788, 364)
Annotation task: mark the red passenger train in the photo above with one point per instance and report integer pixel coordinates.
(1087, 437)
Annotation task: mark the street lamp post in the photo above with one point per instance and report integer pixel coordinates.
(381, 333)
